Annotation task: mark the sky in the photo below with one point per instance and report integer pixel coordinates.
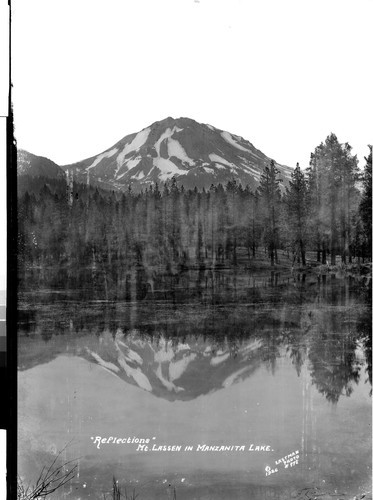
(282, 74)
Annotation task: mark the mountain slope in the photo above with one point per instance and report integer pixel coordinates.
(37, 166)
(198, 155)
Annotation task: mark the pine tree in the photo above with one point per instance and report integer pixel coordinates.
(297, 213)
(270, 197)
(331, 157)
(332, 178)
(347, 199)
(316, 220)
(365, 208)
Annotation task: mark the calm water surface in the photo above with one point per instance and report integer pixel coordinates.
(202, 358)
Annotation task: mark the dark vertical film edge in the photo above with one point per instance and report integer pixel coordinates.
(9, 389)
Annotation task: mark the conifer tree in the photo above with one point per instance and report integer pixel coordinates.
(297, 213)
(332, 178)
(347, 199)
(365, 208)
(270, 198)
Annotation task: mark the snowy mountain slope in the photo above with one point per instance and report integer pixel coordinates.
(198, 155)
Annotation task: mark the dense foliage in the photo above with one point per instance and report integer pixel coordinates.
(319, 215)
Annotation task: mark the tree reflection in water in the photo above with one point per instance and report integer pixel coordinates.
(323, 321)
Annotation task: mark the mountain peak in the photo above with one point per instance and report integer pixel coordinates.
(198, 155)
(169, 121)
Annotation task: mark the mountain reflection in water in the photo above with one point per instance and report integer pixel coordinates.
(224, 346)
(212, 344)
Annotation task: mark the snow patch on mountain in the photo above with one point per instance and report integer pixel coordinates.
(136, 143)
(218, 159)
(100, 157)
(254, 154)
(253, 172)
(176, 149)
(140, 175)
(168, 168)
(166, 135)
(227, 136)
(129, 164)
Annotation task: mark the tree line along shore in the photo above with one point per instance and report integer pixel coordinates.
(322, 217)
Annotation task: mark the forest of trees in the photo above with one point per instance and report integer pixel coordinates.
(323, 214)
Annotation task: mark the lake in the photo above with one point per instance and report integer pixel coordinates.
(205, 384)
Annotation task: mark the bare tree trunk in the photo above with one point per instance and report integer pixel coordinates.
(302, 252)
(323, 253)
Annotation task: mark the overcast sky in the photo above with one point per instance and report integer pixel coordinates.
(281, 73)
